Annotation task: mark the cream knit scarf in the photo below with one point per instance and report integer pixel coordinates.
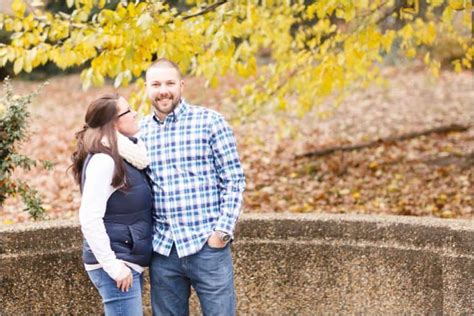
(135, 154)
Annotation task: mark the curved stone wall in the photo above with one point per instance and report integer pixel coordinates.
(284, 264)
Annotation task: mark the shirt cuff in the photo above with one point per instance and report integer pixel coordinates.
(226, 225)
(117, 270)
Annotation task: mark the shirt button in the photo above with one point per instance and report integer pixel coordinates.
(126, 241)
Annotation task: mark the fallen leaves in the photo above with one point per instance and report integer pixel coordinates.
(425, 176)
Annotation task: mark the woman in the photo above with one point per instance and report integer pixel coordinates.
(116, 205)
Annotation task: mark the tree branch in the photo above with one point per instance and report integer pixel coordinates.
(389, 13)
(28, 4)
(391, 139)
(205, 10)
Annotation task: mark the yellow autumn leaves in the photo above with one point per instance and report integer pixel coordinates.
(313, 50)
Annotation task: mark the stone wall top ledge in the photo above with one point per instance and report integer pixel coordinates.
(383, 220)
(461, 224)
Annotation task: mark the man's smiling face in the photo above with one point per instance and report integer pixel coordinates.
(164, 88)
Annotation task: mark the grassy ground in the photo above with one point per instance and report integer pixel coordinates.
(425, 176)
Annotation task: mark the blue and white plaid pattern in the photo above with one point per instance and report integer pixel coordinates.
(196, 175)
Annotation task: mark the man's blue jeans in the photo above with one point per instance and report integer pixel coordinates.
(208, 271)
(115, 301)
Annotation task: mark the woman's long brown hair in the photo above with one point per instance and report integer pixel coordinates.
(99, 124)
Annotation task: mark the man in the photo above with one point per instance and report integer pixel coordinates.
(198, 183)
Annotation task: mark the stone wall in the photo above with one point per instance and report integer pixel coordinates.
(284, 264)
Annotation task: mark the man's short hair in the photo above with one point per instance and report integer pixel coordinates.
(166, 63)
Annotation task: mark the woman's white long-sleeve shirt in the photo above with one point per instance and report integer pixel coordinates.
(96, 191)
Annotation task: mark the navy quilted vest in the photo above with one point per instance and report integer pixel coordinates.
(128, 220)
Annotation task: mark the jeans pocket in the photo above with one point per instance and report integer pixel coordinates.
(96, 277)
(216, 248)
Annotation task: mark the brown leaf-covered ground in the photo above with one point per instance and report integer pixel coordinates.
(426, 176)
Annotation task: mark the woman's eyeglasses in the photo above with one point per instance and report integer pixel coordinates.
(126, 112)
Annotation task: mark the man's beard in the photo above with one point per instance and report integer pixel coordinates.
(174, 104)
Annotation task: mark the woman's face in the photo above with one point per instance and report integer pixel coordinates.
(126, 123)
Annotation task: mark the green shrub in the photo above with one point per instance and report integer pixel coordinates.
(13, 131)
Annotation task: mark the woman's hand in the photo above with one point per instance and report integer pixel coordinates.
(125, 280)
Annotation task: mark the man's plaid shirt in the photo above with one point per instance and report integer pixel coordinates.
(196, 175)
